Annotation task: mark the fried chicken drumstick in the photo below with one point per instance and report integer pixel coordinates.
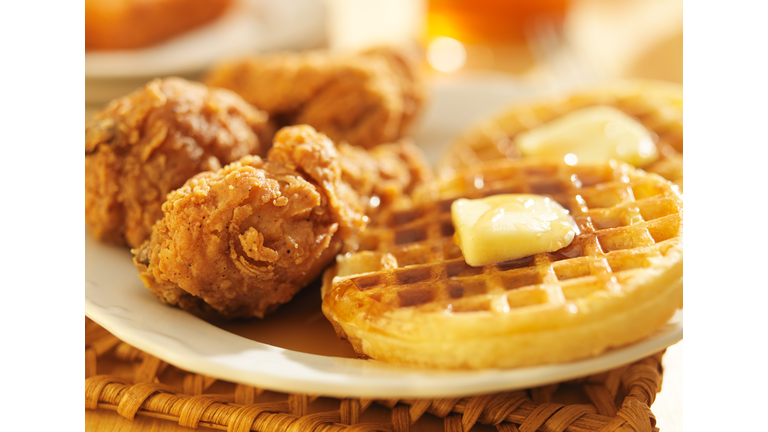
(243, 240)
(146, 144)
(364, 99)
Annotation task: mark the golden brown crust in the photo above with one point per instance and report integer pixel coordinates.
(313, 155)
(146, 144)
(365, 99)
(246, 238)
(385, 174)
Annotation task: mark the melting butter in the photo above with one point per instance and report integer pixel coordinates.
(504, 227)
(590, 135)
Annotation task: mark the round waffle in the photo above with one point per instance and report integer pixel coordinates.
(404, 294)
(657, 105)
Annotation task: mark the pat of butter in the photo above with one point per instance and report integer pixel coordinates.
(590, 135)
(504, 227)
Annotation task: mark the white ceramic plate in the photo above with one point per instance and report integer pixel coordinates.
(295, 350)
(248, 26)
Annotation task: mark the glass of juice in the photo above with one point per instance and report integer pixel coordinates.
(494, 34)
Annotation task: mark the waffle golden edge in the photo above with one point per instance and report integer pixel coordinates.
(406, 295)
(657, 105)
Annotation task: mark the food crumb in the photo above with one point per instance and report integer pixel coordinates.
(279, 202)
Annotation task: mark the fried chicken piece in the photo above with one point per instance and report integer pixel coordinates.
(383, 174)
(146, 144)
(243, 240)
(365, 99)
(413, 86)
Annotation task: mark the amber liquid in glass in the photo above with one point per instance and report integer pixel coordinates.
(491, 21)
(501, 26)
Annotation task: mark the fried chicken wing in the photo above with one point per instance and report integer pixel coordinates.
(144, 145)
(244, 239)
(365, 99)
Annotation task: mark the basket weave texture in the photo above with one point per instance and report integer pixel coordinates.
(122, 378)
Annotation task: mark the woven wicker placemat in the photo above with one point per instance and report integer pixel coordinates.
(122, 378)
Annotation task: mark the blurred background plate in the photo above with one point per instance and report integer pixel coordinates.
(247, 26)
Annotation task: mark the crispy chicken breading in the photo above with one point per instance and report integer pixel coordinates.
(412, 84)
(364, 99)
(245, 239)
(146, 144)
(383, 174)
